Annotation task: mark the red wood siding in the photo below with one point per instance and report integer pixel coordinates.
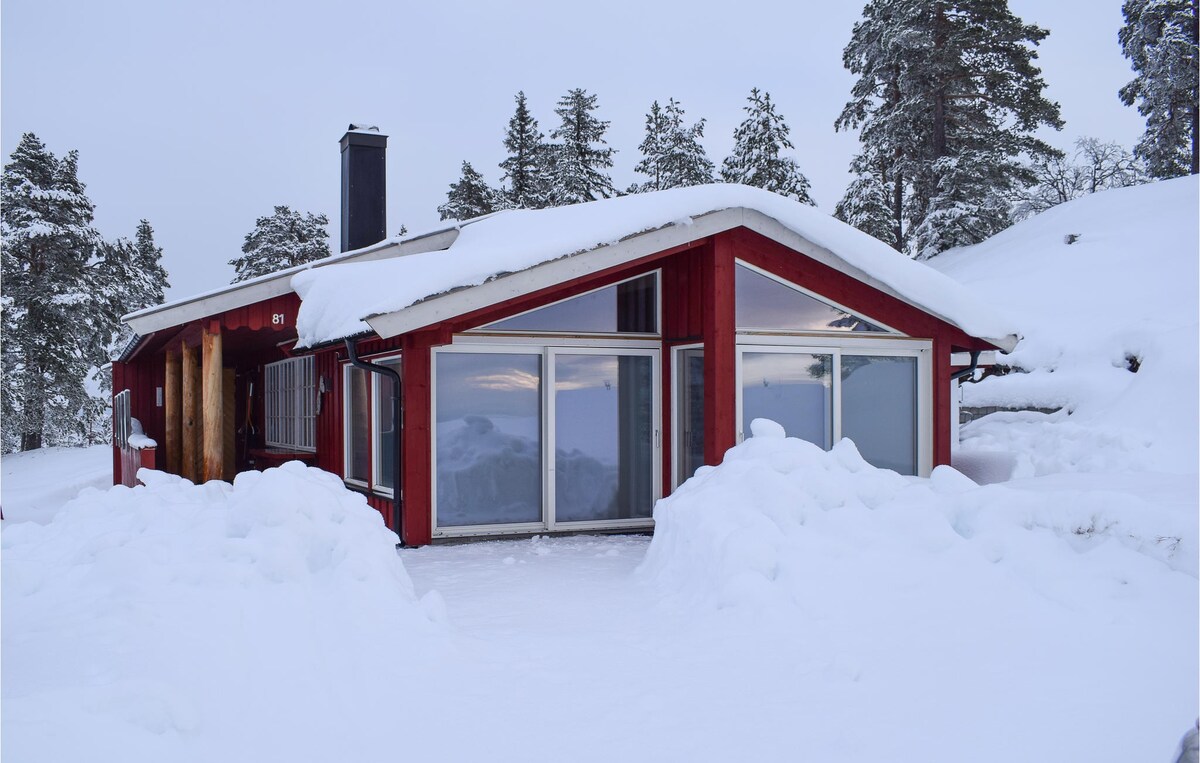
(720, 352)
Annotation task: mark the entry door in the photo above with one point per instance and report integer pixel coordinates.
(604, 436)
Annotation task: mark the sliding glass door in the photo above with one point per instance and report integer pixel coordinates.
(532, 438)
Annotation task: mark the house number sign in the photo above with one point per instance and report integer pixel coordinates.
(277, 319)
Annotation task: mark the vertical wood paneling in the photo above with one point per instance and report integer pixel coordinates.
(173, 415)
(720, 352)
(417, 426)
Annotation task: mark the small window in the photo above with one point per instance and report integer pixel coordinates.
(370, 457)
(291, 404)
(762, 302)
(627, 307)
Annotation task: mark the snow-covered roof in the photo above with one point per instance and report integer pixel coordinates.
(520, 251)
(180, 311)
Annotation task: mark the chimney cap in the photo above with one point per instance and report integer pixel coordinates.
(361, 134)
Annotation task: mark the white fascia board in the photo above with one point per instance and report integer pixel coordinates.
(986, 358)
(443, 307)
(151, 319)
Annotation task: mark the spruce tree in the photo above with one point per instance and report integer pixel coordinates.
(48, 305)
(866, 204)
(282, 240)
(525, 169)
(672, 156)
(129, 277)
(469, 197)
(1160, 40)
(581, 154)
(948, 99)
(757, 158)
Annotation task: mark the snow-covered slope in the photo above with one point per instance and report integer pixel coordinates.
(338, 297)
(36, 484)
(1126, 289)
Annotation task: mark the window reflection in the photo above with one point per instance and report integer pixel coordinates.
(879, 409)
(603, 456)
(764, 303)
(794, 389)
(489, 443)
(627, 307)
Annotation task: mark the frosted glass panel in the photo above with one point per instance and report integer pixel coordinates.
(489, 442)
(603, 456)
(879, 409)
(625, 307)
(765, 303)
(793, 389)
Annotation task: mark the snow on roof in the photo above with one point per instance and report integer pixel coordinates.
(336, 300)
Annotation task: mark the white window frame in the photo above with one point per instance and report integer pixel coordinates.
(290, 404)
(547, 353)
(374, 425)
(658, 317)
(876, 345)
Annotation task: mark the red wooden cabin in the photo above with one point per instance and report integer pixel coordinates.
(551, 383)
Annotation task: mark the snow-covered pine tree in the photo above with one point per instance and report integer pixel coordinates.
(470, 197)
(757, 158)
(866, 204)
(672, 156)
(949, 95)
(1160, 40)
(581, 154)
(46, 220)
(1095, 166)
(282, 240)
(130, 276)
(525, 168)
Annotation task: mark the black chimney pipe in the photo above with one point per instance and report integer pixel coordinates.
(364, 187)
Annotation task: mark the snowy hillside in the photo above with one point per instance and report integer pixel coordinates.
(1122, 296)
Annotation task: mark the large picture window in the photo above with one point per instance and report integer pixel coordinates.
(628, 307)
(290, 396)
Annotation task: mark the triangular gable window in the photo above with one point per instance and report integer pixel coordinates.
(764, 303)
(627, 307)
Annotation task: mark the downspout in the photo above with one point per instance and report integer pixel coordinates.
(957, 375)
(397, 502)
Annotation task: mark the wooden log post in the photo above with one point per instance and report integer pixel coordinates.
(173, 403)
(213, 402)
(190, 432)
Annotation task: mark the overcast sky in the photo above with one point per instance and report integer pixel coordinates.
(201, 117)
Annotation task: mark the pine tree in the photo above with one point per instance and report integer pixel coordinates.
(757, 158)
(282, 240)
(1095, 166)
(525, 168)
(948, 99)
(1160, 40)
(581, 155)
(672, 156)
(867, 204)
(48, 319)
(129, 277)
(469, 197)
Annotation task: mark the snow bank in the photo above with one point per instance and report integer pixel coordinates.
(1039, 610)
(174, 618)
(335, 299)
(780, 515)
(1126, 289)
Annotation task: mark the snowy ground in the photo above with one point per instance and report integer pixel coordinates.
(35, 485)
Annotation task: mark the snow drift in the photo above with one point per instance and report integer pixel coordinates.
(1124, 296)
(218, 615)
